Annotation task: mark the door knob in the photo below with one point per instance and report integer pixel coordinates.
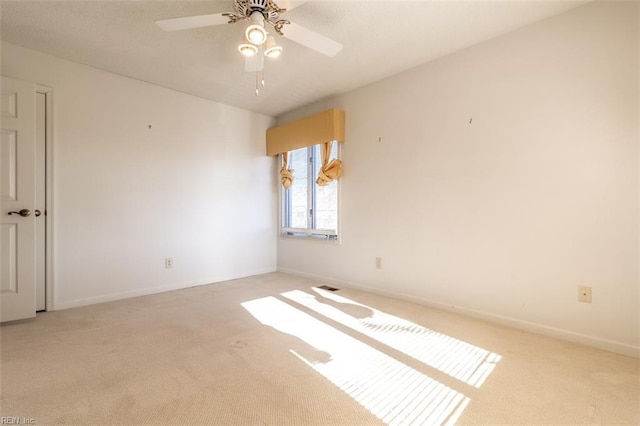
(38, 212)
(23, 212)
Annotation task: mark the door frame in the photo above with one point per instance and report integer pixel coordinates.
(49, 204)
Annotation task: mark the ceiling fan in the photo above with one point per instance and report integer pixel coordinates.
(259, 13)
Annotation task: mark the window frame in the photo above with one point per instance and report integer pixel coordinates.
(311, 232)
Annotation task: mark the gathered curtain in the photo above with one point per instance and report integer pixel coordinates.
(330, 170)
(286, 174)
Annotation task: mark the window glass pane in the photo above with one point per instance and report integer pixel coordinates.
(298, 162)
(326, 196)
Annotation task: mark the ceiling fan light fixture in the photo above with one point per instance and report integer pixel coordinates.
(273, 49)
(256, 40)
(255, 32)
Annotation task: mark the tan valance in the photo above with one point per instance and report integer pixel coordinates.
(316, 129)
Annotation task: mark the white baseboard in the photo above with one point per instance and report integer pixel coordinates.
(592, 341)
(153, 290)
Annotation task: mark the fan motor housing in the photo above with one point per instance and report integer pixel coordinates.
(244, 8)
(258, 4)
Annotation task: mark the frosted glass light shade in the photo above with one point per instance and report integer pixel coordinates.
(255, 32)
(247, 49)
(273, 50)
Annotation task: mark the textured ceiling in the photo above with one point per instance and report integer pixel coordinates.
(380, 38)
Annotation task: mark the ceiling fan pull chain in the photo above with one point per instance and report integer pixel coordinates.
(260, 70)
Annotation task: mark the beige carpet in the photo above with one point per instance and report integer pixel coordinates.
(274, 349)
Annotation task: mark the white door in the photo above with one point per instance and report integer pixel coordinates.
(17, 198)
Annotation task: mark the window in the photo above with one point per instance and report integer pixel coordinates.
(310, 210)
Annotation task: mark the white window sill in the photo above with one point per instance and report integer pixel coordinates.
(315, 235)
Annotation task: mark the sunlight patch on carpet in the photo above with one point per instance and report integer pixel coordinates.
(388, 388)
(456, 358)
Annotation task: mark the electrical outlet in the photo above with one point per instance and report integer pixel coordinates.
(378, 263)
(584, 294)
(168, 262)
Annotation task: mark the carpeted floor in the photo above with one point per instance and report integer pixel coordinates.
(274, 349)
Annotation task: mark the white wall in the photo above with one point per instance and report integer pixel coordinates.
(196, 186)
(507, 176)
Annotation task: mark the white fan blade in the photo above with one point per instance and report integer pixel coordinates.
(175, 24)
(311, 39)
(254, 63)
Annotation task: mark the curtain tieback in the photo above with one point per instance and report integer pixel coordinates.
(286, 176)
(330, 172)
